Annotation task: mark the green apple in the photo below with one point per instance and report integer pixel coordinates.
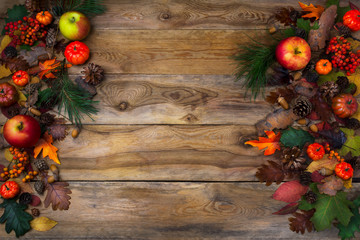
(74, 25)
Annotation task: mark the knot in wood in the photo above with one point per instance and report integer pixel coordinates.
(165, 16)
(123, 106)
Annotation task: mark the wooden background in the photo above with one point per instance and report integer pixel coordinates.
(172, 165)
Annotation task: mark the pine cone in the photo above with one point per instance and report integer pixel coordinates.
(343, 83)
(39, 187)
(299, 32)
(353, 123)
(329, 90)
(310, 197)
(31, 88)
(344, 30)
(51, 37)
(25, 198)
(93, 74)
(305, 178)
(32, 5)
(41, 165)
(302, 107)
(10, 52)
(35, 212)
(291, 159)
(354, 163)
(46, 119)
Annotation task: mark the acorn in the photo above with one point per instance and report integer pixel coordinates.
(301, 121)
(75, 132)
(51, 179)
(35, 111)
(283, 102)
(313, 128)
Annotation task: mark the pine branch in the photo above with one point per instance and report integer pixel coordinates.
(253, 61)
(90, 8)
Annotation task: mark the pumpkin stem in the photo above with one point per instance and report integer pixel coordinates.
(349, 102)
(7, 188)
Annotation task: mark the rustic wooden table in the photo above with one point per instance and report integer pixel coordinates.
(171, 164)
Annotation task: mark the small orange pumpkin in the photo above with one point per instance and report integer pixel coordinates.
(21, 78)
(323, 67)
(44, 17)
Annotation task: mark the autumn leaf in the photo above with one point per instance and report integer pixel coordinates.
(4, 71)
(290, 191)
(352, 143)
(271, 143)
(45, 144)
(315, 11)
(355, 78)
(290, 208)
(301, 221)
(42, 224)
(5, 42)
(58, 196)
(270, 173)
(357, 114)
(48, 67)
(331, 185)
(322, 163)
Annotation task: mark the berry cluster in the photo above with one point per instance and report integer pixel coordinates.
(25, 32)
(20, 160)
(333, 153)
(343, 58)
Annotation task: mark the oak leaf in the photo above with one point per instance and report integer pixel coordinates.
(272, 143)
(45, 144)
(290, 191)
(301, 221)
(42, 224)
(58, 196)
(48, 67)
(315, 11)
(331, 185)
(270, 173)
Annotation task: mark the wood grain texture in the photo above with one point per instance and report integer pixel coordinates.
(167, 51)
(190, 14)
(115, 210)
(159, 152)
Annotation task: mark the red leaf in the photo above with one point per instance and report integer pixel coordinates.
(290, 191)
(290, 208)
(35, 201)
(270, 173)
(317, 177)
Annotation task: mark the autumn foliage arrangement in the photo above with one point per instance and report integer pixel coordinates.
(313, 135)
(39, 99)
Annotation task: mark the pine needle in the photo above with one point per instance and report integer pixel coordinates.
(253, 61)
(90, 8)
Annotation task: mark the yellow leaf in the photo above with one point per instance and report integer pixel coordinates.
(8, 155)
(18, 89)
(314, 11)
(4, 42)
(34, 80)
(4, 71)
(45, 144)
(355, 78)
(347, 183)
(42, 224)
(354, 43)
(322, 163)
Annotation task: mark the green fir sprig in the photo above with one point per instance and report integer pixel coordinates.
(253, 60)
(75, 101)
(90, 8)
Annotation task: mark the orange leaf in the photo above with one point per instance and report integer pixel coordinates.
(45, 144)
(314, 11)
(48, 67)
(271, 143)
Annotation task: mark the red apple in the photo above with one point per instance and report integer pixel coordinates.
(74, 25)
(293, 53)
(22, 131)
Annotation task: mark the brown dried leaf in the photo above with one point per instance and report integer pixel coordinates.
(284, 92)
(283, 16)
(16, 64)
(32, 56)
(58, 131)
(321, 108)
(270, 173)
(301, 222)
(58, 196)
(60, 46)
(331, 185)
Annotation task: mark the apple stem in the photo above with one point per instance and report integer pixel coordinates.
(21, 126)
(297, 51)
(73, 19)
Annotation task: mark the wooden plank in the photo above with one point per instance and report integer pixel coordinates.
(167, 51)
(198, 14)
(105, 210)
(159, 152)
(175, 99)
